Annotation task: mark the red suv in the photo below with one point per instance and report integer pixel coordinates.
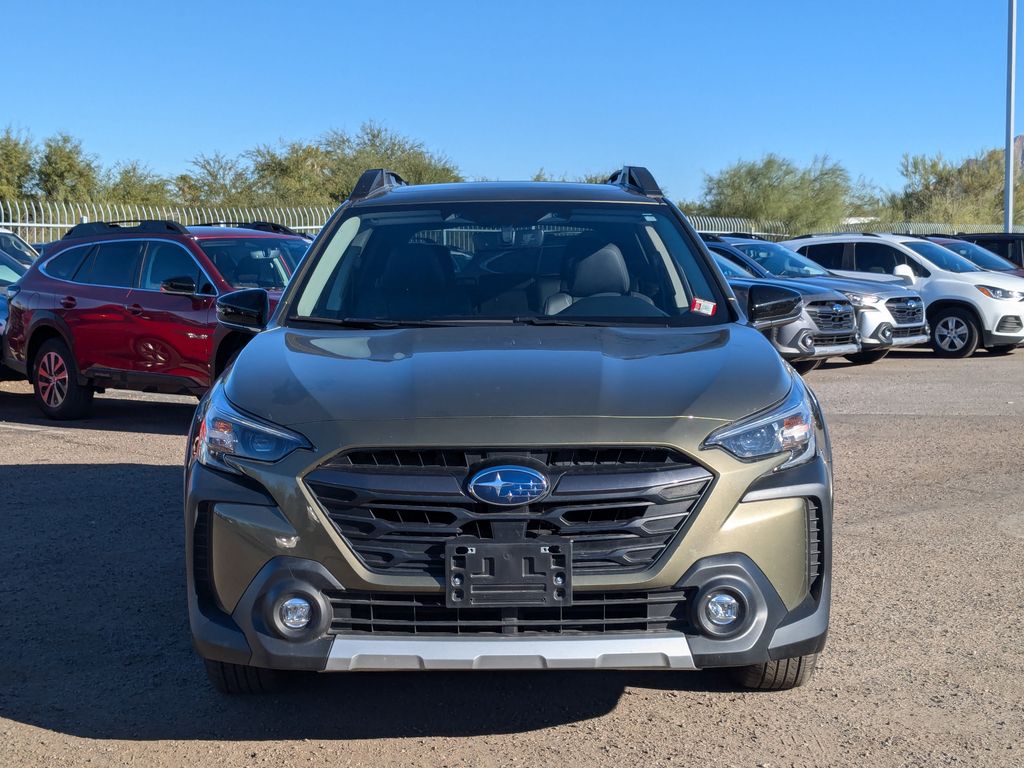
(132, 307)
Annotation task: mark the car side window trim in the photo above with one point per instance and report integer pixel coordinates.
(71, 279)
(195, 261)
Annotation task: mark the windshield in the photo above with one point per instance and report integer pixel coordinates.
(982, 257)
(257, 262)
(16, 248)
(941, 257)
(538, 262)
(10, 270)
(730, 268)
(781, 261)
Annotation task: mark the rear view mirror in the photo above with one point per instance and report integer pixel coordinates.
(182, 286)
(904, 271)
(769, 306)
(247, 310)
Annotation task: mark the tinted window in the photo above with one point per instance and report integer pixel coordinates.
(17, 248)
(64, 265)
(983, 257)
(875, 257)
(1001, 247)
(829, 255)
(943, 258)
(114, 264)
(10, 270)
(257, 262)
(729, 268)
(780, 261)
(165, 260)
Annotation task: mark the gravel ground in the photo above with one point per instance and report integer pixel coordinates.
(923, 667)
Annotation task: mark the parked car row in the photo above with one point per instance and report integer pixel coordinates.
(131, 304)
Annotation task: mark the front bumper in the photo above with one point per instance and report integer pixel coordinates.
(382, 653)
(244, 632)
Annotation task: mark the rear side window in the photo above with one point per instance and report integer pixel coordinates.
(875, 257)
(829, 255)
(64, 265)
(114, 263)
(165, 260)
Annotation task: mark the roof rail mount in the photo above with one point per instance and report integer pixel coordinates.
(149, 226)
(637, 178)
(376, 180)
(261, 226)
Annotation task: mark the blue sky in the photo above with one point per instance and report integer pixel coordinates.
(506, 88)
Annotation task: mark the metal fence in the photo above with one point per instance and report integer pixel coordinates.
(39, 222)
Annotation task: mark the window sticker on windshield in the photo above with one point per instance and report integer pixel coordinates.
(703, 306)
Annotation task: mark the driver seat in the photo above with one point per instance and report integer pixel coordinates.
(602, 273)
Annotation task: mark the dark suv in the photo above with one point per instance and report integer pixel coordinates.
(132, 307)
(508, 426)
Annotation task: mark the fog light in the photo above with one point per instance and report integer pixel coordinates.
(722, 609)
(884, 333)
(295, 612)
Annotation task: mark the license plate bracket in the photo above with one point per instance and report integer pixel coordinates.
(481, 573)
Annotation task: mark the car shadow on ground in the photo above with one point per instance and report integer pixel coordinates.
(109, 413)
(94, 637)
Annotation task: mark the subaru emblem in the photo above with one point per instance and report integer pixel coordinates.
(837, 308)
(508, 486)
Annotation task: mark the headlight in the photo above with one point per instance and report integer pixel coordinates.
(1000, 293)
(862, 299)
(225, 433)
(785, 428)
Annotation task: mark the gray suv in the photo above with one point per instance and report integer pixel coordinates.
(508, 426)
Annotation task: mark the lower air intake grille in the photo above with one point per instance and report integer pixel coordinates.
(390, 613)
(1009, 324)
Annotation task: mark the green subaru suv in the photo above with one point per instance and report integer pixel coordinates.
(508, 426)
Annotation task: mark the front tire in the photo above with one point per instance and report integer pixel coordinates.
(803, 367)
(954, 333)
(234, 679)
(866, 358)
(778, 675)
(55, 383)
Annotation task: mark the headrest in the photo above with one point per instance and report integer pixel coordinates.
(603, 271)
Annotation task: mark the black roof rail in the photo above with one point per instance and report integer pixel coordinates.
(637, 178)
(261, 226)
(710, 237)
(376, 180)
(147, 226)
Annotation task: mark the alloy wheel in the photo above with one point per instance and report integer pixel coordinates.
(952, 333)
(52, 378)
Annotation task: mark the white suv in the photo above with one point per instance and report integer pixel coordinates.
(967, 307)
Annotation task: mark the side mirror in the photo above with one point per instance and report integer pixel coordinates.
(904, 271)
(769, 306)
(247, 310)
(181, 286)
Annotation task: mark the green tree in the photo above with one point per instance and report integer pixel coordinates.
(937, 190)
(17, 165)
(65, 172)
(132, 182)
(777, 189)
(216, 180)
(294, 174)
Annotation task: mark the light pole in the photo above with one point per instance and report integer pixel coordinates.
(1011, 67)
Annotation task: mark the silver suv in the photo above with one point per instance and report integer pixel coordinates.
(888, 315)
(826, 327)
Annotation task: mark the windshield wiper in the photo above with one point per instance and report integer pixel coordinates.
(360, 323)
(610, 323)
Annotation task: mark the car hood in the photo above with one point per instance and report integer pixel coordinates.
(858, 286)
(995, 279)
(807, 291)
(290, 376)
